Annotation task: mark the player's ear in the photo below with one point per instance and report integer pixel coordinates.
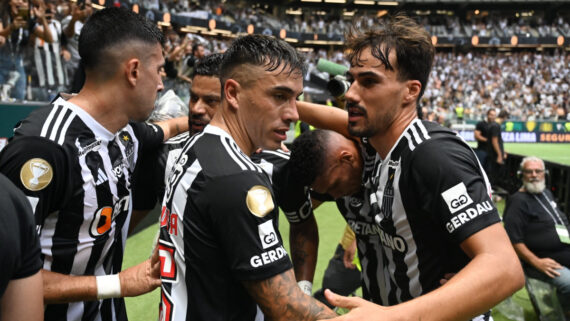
(346, 157)
(132, 71)
(231, 90)
(413, 91)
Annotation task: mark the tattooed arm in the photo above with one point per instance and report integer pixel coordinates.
(280, 298)
(304, 242)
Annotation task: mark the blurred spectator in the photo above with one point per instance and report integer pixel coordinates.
(72, 25)
(539, 231)
(481, 131)
(19, 20)
(50, 75)
(495, 150)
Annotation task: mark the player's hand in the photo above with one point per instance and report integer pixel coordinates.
(65, 54)
(141, 278)
(2, 40)
(360, 309)
(500, 159)
(548, 266)
(348, 256)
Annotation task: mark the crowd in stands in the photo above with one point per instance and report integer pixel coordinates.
(529, 85)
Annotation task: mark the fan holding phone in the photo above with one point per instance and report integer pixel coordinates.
(18, 20)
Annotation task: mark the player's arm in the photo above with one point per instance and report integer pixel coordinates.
(325, 117)
(136, 280)
(173, 126)
(23, 300)
(304, 244)
(280, 298)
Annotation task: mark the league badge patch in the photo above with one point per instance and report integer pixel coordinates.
(259, 201)
(36, 174)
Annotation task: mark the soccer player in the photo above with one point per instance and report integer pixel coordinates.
(221, 250)
(429, 197)
(21, 295)
(74, 160)
(154, 168)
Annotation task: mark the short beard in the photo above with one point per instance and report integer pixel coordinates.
(366, 132)
(535, 187)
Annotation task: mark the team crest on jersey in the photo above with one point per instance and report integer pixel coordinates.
(127, 140)
(36, 174)
(259, 201)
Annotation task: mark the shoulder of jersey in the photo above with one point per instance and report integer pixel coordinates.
(32, 125)
(220, 156)
(180, 139)
(271, 156)
(53, 122)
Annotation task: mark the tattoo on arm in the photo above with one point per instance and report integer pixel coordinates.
(280, 298)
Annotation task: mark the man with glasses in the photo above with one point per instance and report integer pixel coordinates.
(539, 230)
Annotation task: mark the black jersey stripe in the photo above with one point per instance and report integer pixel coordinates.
(234, 154)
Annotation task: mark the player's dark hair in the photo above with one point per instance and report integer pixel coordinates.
(259, 50)
(308, 156)
(112, 26)
(209, 66)
(412, 43)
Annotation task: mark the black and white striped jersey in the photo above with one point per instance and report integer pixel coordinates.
(293, 198)
(153, 170)
(77, 175)
(426, 197)
(218, 227)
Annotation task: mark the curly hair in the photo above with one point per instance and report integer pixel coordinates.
(308, 156)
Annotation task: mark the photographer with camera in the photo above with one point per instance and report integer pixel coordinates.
(18, 20)
(188, 63)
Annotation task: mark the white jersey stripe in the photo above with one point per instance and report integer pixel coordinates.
(410, 142)
(417, 137)
(277, 153)
(65, 127)
(246, 160)
(52, 113)
(423, 129)
(57, 123)
(232, 154)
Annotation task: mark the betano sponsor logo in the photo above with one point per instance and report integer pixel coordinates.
(363, 228)
(468, 215)
(267, 257)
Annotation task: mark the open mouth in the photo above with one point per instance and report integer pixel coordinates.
(281, 133)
